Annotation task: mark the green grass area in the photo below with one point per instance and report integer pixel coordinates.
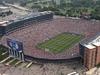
(8, 60)
(60, 42)
(3, 57)
(3, 50)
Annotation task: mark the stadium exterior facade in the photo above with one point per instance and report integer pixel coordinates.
(90, 51)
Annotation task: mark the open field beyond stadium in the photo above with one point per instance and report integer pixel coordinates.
(60, 42)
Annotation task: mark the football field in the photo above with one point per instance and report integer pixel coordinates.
(60, 42)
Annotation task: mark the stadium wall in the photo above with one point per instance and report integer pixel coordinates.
(97, 55)
(89, 58)
(81, 50)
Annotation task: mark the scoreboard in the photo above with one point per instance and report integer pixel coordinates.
(16, 49)
(15, 45)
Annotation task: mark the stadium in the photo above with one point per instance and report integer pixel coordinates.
(43, 36)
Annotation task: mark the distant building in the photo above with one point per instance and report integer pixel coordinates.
(90, 52)
(58, 1)
(4, 9)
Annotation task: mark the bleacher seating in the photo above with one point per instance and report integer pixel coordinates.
(39, 32)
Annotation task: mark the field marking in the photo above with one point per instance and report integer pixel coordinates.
(59, 43)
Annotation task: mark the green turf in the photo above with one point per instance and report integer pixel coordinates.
(8, 60)
(3, 50)
(60, 42)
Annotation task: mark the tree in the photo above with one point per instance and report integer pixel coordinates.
(62, 4)
(96, 13)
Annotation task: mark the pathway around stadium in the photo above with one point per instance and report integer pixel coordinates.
(45, 69)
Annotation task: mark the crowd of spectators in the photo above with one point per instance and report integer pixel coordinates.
(36, 33)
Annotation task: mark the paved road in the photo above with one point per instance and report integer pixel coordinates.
(43, 69)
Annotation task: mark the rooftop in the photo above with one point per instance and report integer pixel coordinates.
(94, 41)
(16, 13)
(3, 7)
(90, 46)
(19, 15)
